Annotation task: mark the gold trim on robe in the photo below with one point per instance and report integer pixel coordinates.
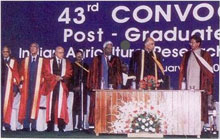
(60, 100)
(8, 87)
(142, 64)
(37, 88)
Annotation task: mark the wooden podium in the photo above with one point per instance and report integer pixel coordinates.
(182, 108)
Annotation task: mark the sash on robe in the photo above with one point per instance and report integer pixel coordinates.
(24, 95)
(157, 63)
(8, 87)
(202, 62)
(61, 90)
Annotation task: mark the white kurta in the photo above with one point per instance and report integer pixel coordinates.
(125, 78)
(193, 71)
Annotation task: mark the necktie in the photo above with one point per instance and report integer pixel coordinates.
(6, 61)
(33, 60)
(59, 63)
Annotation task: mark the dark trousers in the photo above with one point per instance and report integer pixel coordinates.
(28, 120)
(61, 123)
(77, 108)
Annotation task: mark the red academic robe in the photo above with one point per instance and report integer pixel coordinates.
(206, 79)
(12, 79)
(48, 87)
(24, 74)
(94, 78)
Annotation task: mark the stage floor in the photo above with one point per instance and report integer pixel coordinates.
(78, 134)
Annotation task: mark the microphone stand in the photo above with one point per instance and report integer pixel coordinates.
(82, 94)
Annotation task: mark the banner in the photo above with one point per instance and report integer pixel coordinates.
(87, 25)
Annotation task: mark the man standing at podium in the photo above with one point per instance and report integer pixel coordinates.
(196, 70)
(146, 62)
(105, 70)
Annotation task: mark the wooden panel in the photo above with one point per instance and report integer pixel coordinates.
(181, 108)
(109, 111)
(103, 113)
(192, 118)
(114, 106)
(180, 113)
(168, 109)
(97, 111)
(198, 113)
(147, 98)
(174, 112)
(185, 108)
(119, 98)
(135, 95)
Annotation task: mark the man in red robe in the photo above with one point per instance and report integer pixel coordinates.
(32, 77)
(196, 71)
(9, 86)
(56, 88)
(105, 70)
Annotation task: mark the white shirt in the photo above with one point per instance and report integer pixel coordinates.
(58, 60)
(109, 58)
(125, 78)
(193, 71)
(7, 58)
(34, 58)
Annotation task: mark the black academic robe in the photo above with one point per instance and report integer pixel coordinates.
(149, 65)
(78, 75)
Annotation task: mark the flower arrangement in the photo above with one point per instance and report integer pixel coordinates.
(126, 112)
(146, 122)
(149, 82)
(137, 116)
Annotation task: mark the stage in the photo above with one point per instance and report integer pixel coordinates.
(80, 134)
(86, 26)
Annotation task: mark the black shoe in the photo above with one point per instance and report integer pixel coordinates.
(8, 129)
(25, 129)
(76, 130)
(33, 130)
(61, 130)
(48, 130)
(90, 132)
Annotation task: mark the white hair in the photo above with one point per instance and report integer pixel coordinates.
(37, 45)
(107, 43)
